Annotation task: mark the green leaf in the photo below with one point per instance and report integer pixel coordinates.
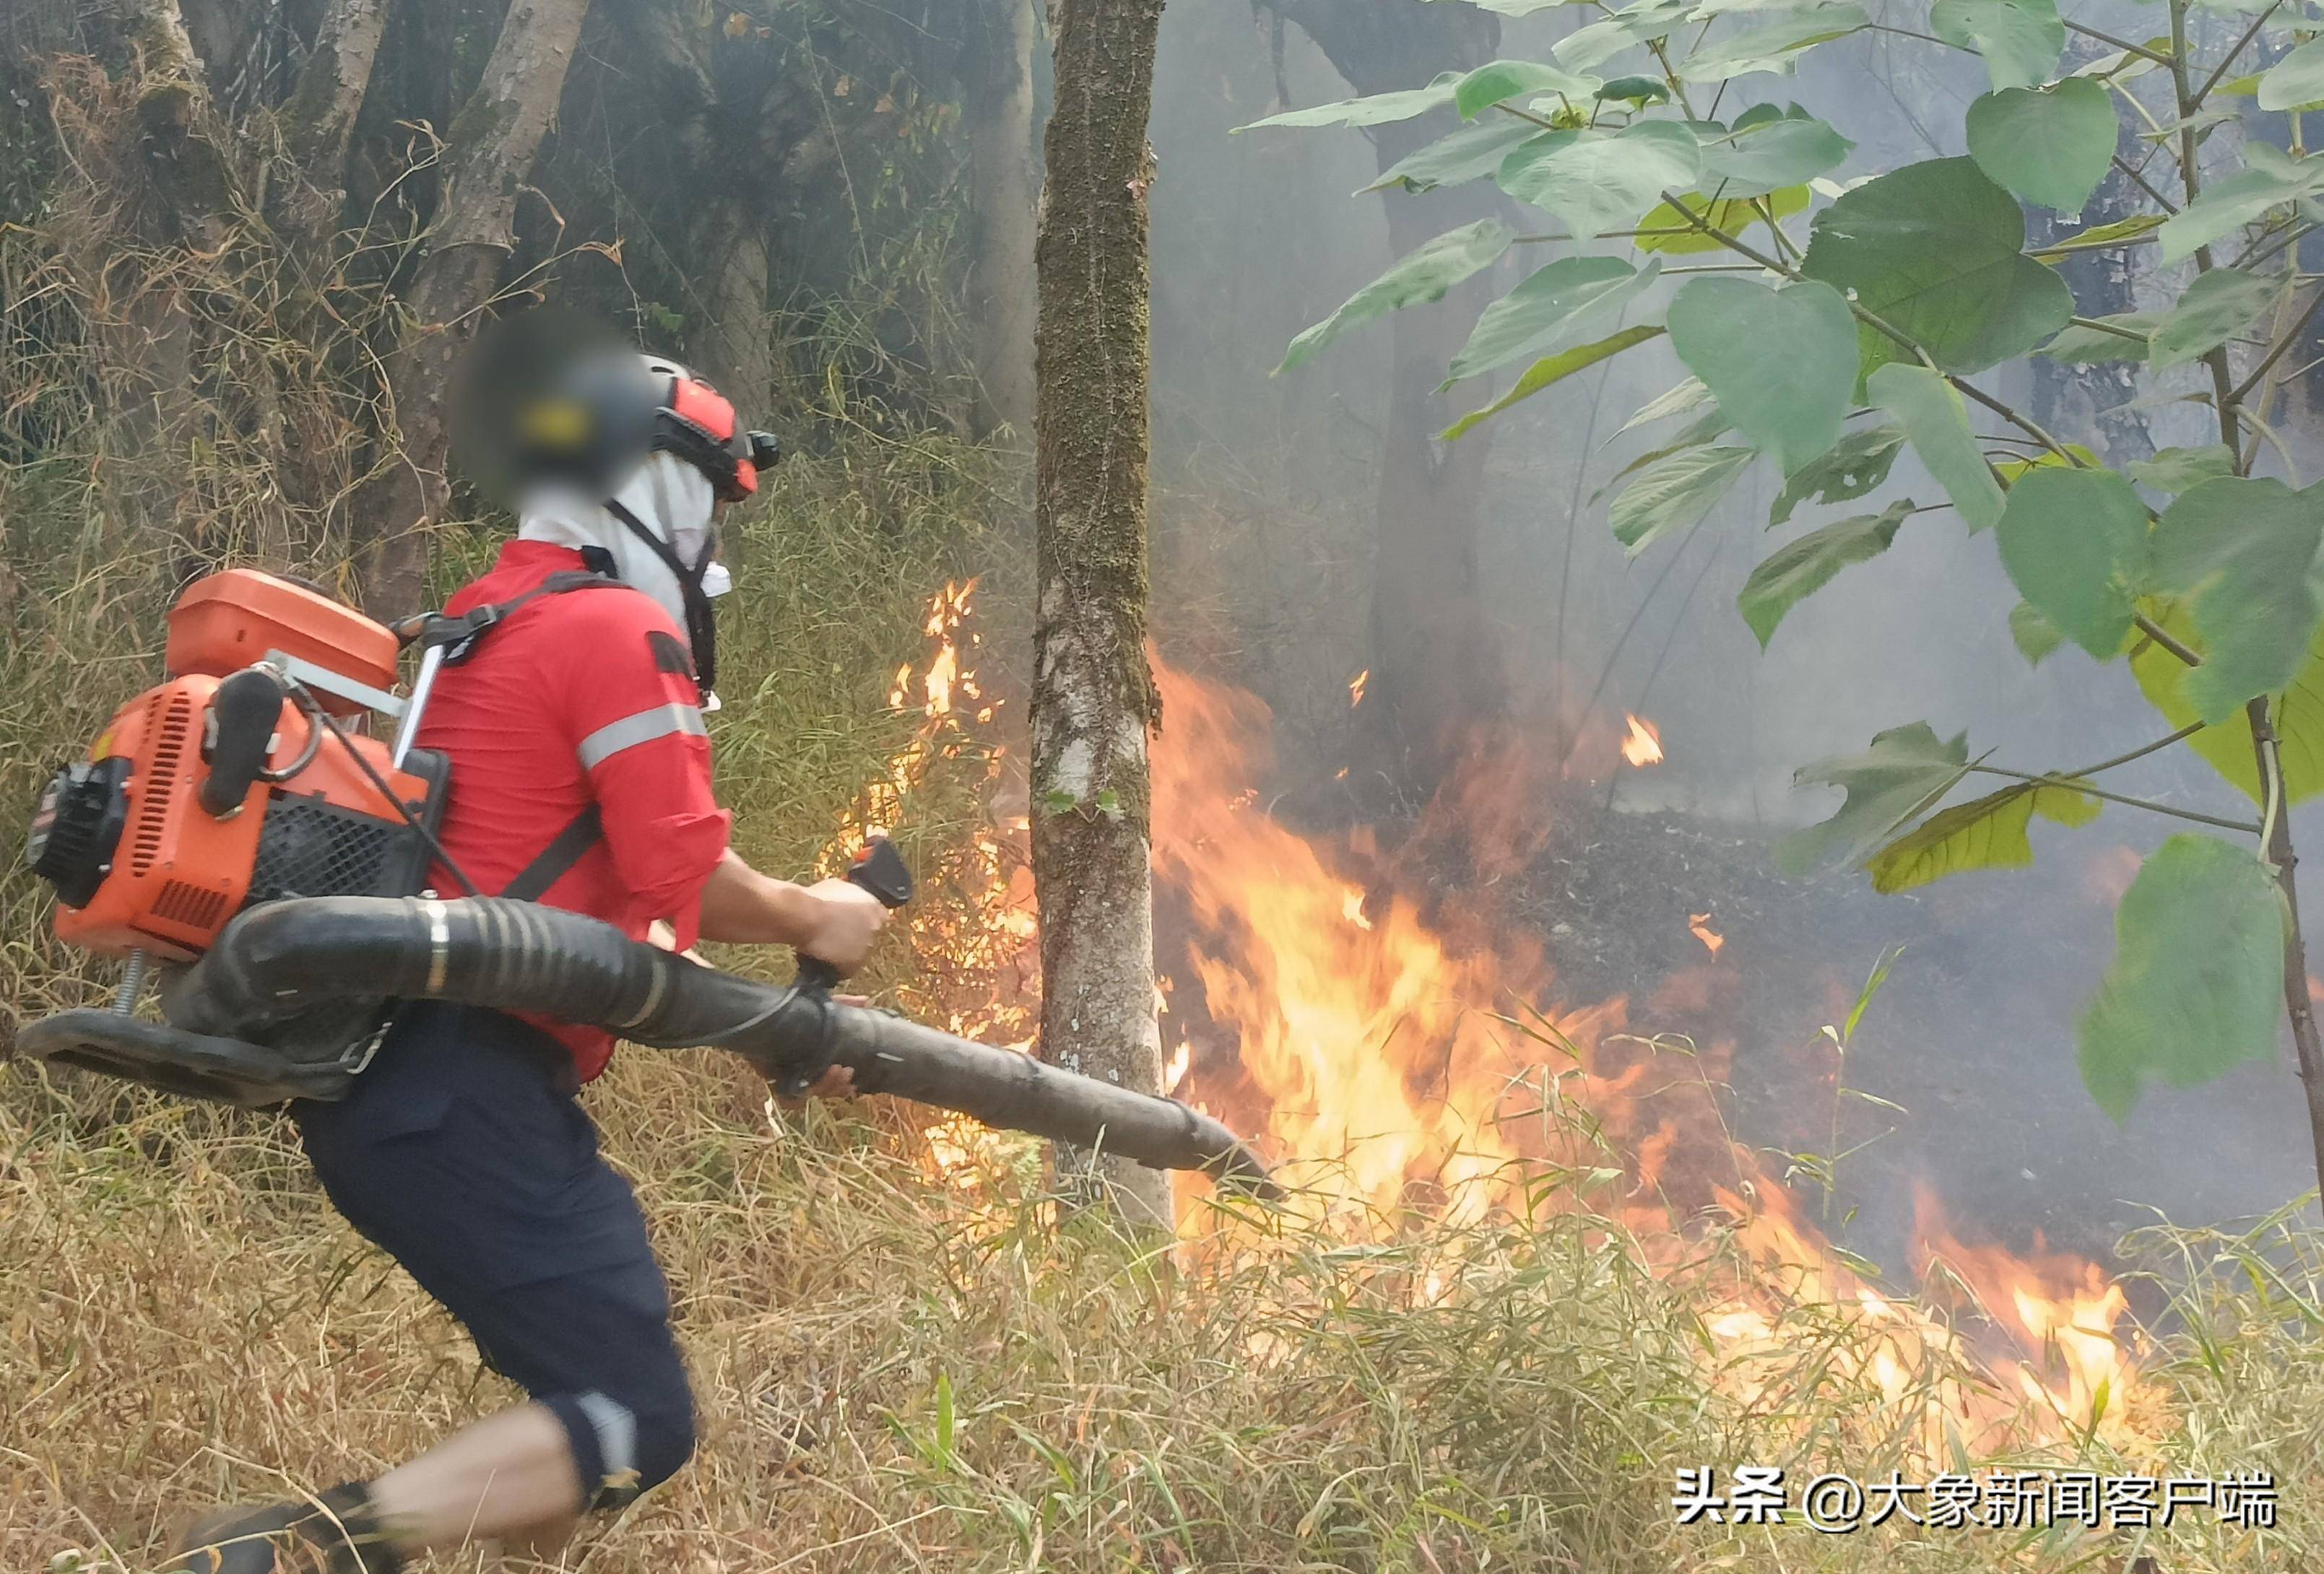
(1554, 369)
(2296, 80)
(1793, 572)
(1674, 493)
(1781, 363)
(2175, 470)
(1770, 154)
(1423, 275)
(1585, 47)
(1987, 832)
(1378, 109)
(2035, 635)
(2075, 544)
(1542, 313)
(1517, 8)
(2009, 470)
(1934, 420)
(2196, 984)
(2242, 197)
(1936, 251)
(1679, 399)
(1856, 465)
(2227, 748)
(2217, 306)
(2021, 40)
(2244, 554)
(1774, 46)
(1595, 181)
(1470, 153)
(1906, 770)
(1638, 91)
(1728, 215)
(2096, 235)
(1503, 80)
(2049, 145)
(2081, 346)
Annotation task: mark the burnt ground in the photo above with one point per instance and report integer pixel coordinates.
(1972, 1034)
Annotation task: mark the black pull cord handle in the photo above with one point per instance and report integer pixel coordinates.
(882, 871)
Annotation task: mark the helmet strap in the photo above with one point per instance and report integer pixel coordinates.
(701, 622)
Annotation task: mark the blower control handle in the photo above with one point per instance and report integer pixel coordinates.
(879, 869)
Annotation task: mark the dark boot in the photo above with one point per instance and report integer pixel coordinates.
(342, 1536)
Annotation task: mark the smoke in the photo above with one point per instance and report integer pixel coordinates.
(1267, 487)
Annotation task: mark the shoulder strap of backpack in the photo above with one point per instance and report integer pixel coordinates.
(580, 835)
(458, 637)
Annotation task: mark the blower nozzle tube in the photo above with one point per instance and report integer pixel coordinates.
(289, 956)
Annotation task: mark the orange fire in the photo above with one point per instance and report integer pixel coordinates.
(1390, 1053)
(1356, 686)
(1643, 746)
(1699, 926)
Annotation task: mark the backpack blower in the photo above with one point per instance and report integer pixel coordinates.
(239, 828)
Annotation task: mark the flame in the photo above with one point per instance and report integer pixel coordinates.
(1699, 926)
(1643, 746)
(1396, 1049)
(1356, 686)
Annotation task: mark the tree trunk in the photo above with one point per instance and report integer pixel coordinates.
(493, 141)
(1093, 697)
(1435, 663)
(324, 106)
(737, 351)
(1005, 201)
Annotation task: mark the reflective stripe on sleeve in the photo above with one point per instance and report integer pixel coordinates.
(643, 728)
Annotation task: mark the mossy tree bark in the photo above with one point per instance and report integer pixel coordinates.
(1093, 697)
(492, 146)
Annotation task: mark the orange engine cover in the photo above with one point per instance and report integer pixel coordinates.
(180, 873)
(228, 620)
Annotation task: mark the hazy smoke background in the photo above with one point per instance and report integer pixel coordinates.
(1263, 544)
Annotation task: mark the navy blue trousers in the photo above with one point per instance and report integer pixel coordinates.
(464, 1155)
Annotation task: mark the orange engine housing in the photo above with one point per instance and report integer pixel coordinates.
(177, 873)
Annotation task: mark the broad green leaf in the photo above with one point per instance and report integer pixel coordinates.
(2296, 80)
(2241, 199)
(1585, 47)
(1554, 369)
(2089, 346)
(2075, 544)
(1699, 433)
(1987, 832)
(1771, 154)
(1781, 363)
(1422, 275)
(1689, 395)
(1515, 7)
(1378, 109)
(2243, 556)
(1595, 181)
(2009, 470)
(1729, 217)
(2217, 306)
(1774, 46)
(2196, 984)
(1932, 417)
(2035, 635)
(1470, 153)
(1541, 314)
(1674, 493)
(2021, 40)
(2097, 235)
(1890, 784)
(2227, 748)
(1637, 90)
(2049, 145)
(1503, 80)
(1856, 465)
(2176, 470)
(1797, 570)
(1935, 250)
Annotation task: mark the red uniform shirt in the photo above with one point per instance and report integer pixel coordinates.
(579, 698)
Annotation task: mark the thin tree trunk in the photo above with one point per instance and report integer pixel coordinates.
(491, 146)
(738, 351)
(324, 106)
(1093, 697)
(1005, 198)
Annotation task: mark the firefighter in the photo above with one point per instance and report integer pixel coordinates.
(581, 778)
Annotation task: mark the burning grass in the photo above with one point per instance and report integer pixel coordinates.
(895, 1376)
